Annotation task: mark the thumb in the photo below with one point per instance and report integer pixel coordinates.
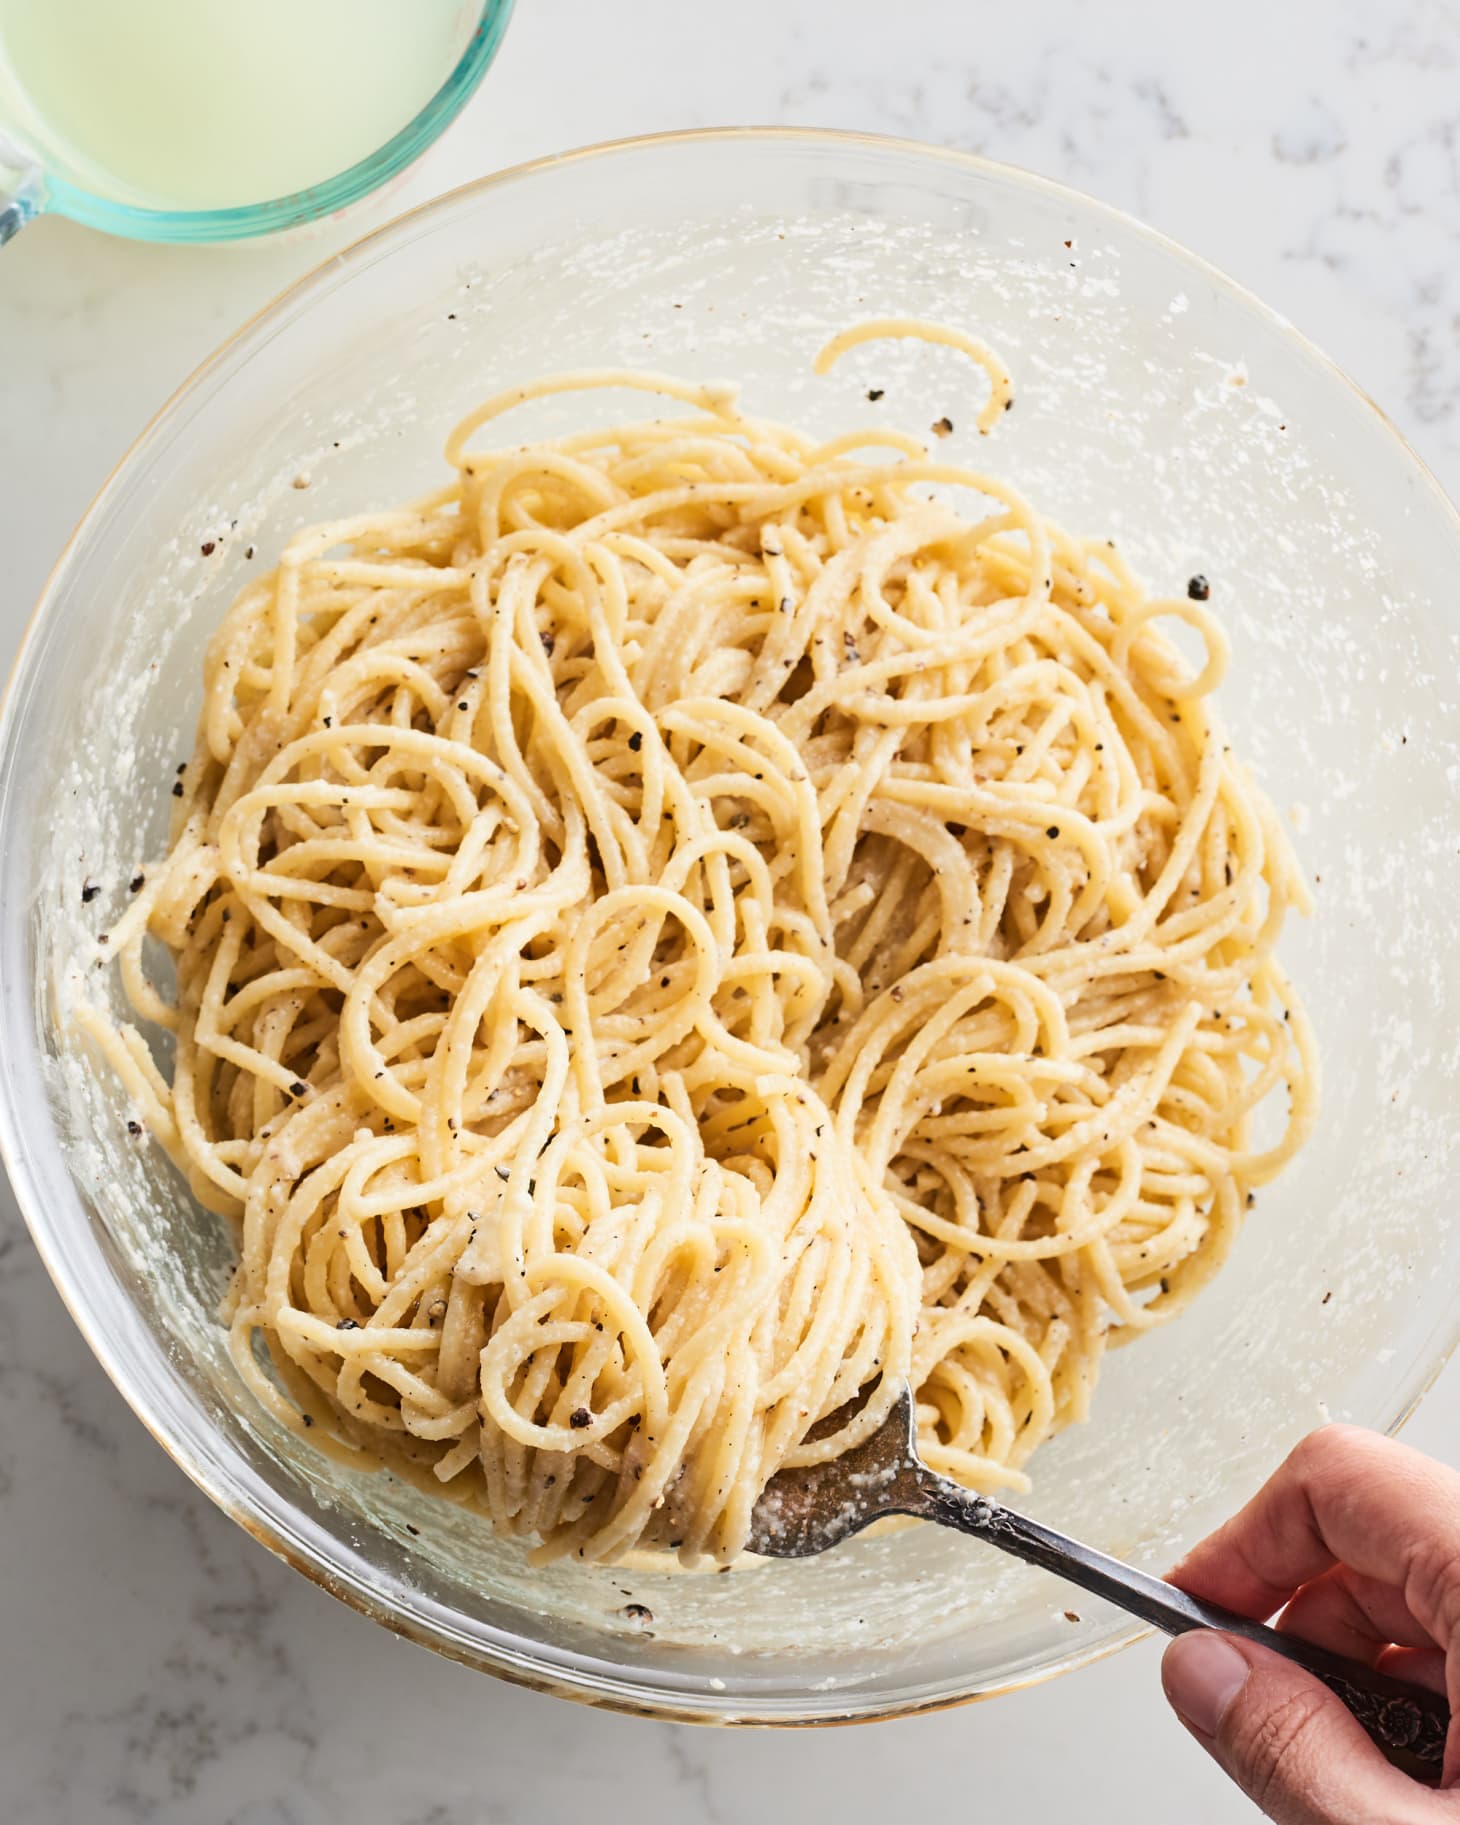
(1288, 1742)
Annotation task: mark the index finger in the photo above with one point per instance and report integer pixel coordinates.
(1341, 1496)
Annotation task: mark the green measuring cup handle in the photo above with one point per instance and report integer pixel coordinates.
(22, 189)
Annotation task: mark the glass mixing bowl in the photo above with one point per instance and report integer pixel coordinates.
(1156, 403)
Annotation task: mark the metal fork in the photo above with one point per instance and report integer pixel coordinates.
(805, 1511)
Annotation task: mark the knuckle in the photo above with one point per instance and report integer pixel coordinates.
(1432, 1587)
(1330, 1444)
(1267, 1748)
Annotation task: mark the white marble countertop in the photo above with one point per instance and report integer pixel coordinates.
(157, 1665)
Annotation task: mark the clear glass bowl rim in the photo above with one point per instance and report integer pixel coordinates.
(58, 195)
(228, 1484)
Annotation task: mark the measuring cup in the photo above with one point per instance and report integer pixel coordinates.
(203, 120)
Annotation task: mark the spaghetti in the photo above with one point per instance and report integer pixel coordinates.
(684, 924)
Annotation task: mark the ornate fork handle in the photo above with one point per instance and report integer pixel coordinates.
(1408, 1723)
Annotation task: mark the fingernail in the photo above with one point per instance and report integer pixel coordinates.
(1202, 1674)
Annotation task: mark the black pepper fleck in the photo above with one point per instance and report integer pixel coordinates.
(177, 788)
(1198, 588)
(89, 891)
(875, 393)
(636, 741)
(579, 1418)
(208, 547)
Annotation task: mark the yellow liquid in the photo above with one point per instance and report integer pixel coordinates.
(212, 104)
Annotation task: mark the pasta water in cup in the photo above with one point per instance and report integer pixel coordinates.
(203, 120)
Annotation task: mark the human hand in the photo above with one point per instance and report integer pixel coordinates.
(1357, 1540)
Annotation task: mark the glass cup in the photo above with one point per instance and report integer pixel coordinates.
(43, 169)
